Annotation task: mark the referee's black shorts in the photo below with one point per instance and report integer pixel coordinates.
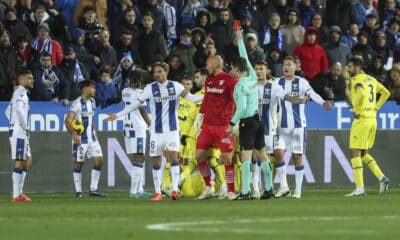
(251, 133)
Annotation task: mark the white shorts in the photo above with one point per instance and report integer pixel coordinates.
(135, 141)
(269, 143)
(89, 150)
(291, 136)
(20, 148)
(158, 141)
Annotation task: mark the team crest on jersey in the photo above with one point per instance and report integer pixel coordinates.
(221, 82)
(267, 91)
(171, 91)
(295, 87)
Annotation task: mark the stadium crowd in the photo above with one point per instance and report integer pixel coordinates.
(64, 43)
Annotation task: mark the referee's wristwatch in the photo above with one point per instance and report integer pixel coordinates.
(232, 124)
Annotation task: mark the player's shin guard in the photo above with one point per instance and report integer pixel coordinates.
(218, 171)
(229, 175)
(356, 164)
(77, 179)
(272, 160)
(136, 175)
(267, 173)
(373, 166)
(299, 174)
(281, 173)
(246, 177)
(166, 180)
(175, 174)
(237, 176)
(17, 180)
(24, 172)
(94, 182)
(255, 176)
(205, 172)
(157, 179)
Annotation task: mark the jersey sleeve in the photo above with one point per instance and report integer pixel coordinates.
(75, 107)
(243, 54)
(277, 92)
(145, 95)
(240, 101)
(178, 88)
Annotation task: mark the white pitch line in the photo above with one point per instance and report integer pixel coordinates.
(187, 226)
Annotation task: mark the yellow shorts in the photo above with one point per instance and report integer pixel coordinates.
(362, 133)
(189, 150)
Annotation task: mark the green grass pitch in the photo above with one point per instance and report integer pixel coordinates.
(320, 214)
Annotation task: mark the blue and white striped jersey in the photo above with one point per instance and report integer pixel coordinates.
(84, 111)
(17, 113)
(134, 119)
(269, 96)
(164, 102)
(292, 115)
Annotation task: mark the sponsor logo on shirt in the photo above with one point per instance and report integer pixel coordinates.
(221, 82)
(215, 90)
(164, 99)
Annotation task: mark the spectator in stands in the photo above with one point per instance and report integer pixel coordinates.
(177, 69)
(151, 44)
(246, 20)
(274, 59)
(106, 91)
(221, 30)
(186, 50)
(350, 38)
(187, 15)
(203, 21)
(82, 53)
(57, 22)
(389, 11)
(307, 11)
(73, 72)
(116, 10)
(370, 26)
(170, 15)
(335, 49)
(363, 48)
(330, 85)
(271, 35)
(312, 56)
(26, 57)
(340, 12)
(379, 46)
(293, 32)
(8, 65)
(254, 52)
(231, 52)
(104, 50)
(47, 81)
(126, 23)
(158, 15)
(89, 22)
(323, 31)
(15, 26)
(298, 71)
(247, 7)
(68, 9)
(4, 5)
(126, 44)
(213, 8)
(393, 83)
(198, 38)
(121, 75)
(376, 69)
(201, 55)
(99, 7)
(265, 9)
(393, 33)
(44, 43)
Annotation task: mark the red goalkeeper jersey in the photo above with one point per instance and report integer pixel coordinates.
(218, 103)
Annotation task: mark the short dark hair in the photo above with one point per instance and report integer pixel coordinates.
(240, 63)
(357, 62)
(136, 77)
(202, 71)
(21, 73)
(290, 58)
(148, 14)
(262, 62)
(44, 54)
(163, 65)
(86, 83)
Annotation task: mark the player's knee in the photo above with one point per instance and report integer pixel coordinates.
(78, 165)
(157, 161)
(138, 158)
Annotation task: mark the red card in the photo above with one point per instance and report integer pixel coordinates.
(236, 25)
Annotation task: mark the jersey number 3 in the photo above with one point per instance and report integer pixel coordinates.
(371, 92)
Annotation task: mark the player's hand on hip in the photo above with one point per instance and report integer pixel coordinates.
(327, 105)
(111, 117)
(356, 115)
(77, 140)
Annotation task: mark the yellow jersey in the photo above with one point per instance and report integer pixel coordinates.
(186, 116)
(364, 90)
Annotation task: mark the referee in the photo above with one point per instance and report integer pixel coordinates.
(251, 129)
